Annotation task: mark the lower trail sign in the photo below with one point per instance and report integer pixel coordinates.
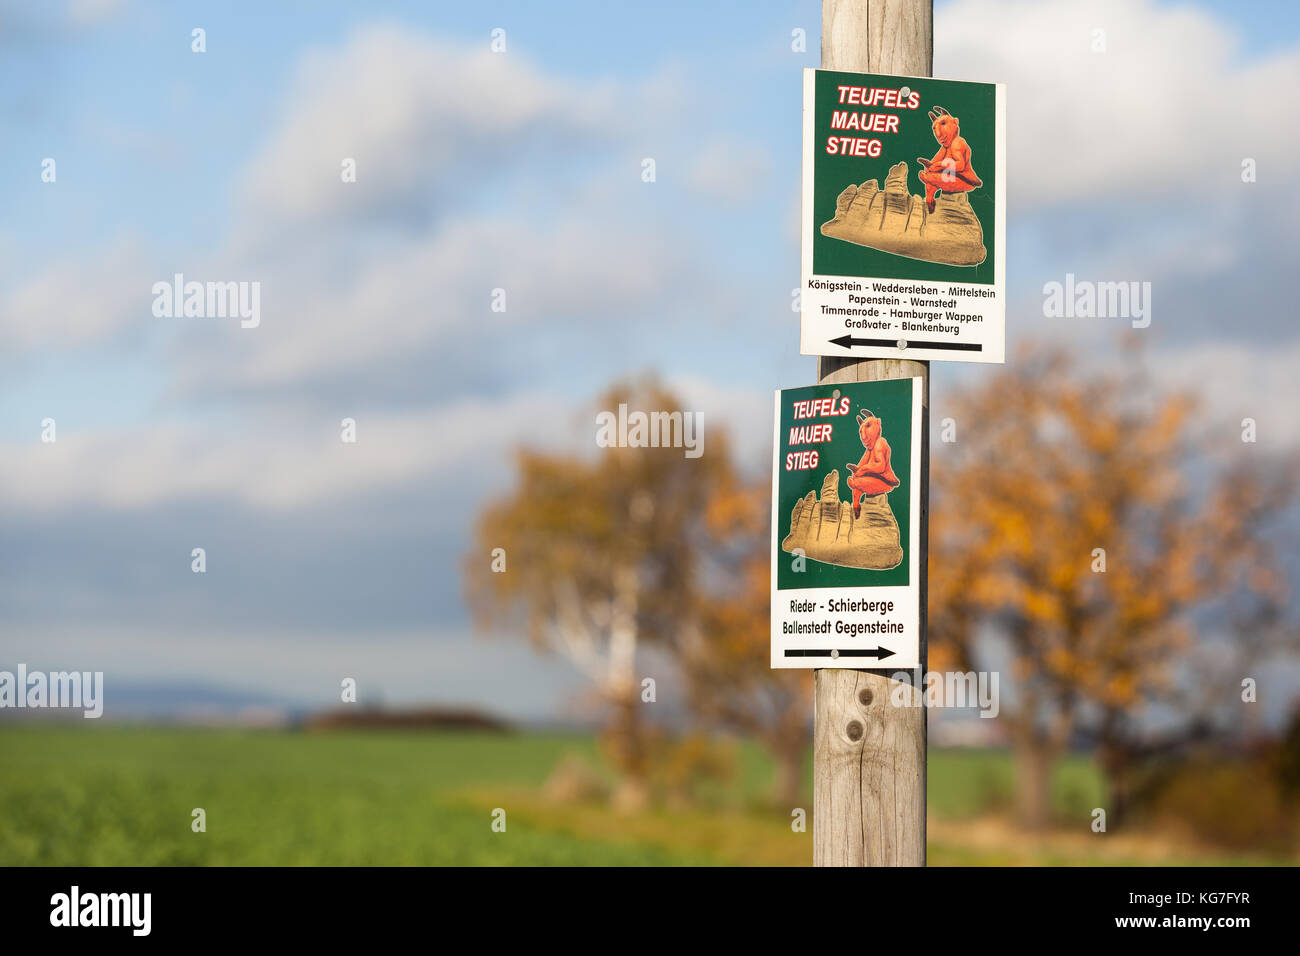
(846, 499)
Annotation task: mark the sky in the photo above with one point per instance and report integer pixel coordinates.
(518, 170)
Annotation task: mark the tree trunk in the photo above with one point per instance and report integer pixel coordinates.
(626, 741)
(625, 745)
(1115, 762)
(1034, 760)
(788, 782)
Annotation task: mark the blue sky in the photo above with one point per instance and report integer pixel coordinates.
(518, 170)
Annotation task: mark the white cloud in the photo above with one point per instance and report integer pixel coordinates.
(417, 114)
(1236, 381)
(278, 465)
(744, 410)
(80, 299)
(89, 13)
(579, 267)
(491, 133)
(1168, 108)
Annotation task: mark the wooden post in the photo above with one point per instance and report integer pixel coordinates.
(869, 755)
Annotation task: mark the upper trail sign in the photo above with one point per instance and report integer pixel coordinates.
(889, 272)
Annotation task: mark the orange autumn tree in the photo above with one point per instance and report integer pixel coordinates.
(601, 556)
(726, 660)
(1068, 540)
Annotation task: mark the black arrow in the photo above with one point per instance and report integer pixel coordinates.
(850, 341)
(880, 653)
(876, 652)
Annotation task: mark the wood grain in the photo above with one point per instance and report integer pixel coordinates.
(868, 754)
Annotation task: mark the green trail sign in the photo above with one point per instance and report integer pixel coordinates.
(846, 499)
(904, 217)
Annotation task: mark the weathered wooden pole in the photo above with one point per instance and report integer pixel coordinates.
(869, 755)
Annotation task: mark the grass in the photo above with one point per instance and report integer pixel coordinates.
(968, 783)
(113, 795)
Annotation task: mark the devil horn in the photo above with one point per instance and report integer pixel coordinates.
(932, 116)
(943, 111)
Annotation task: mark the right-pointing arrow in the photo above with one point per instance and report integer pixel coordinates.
(876, 652)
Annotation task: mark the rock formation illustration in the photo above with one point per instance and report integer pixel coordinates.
(827, 531)
(892, 220)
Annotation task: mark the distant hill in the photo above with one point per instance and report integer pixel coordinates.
(413, 718)
(180, 702)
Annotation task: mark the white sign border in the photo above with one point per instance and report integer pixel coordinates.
(910, 616)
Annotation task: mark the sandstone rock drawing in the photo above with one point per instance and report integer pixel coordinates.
(827, 531)
(892, 220)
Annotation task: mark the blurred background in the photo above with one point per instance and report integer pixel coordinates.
(476, 226)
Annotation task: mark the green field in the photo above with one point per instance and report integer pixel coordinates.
(120, 796)
(125, 796)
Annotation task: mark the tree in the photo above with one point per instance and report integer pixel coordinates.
(600, 556)
(730, 680)
(1251, 626)
(1065, 527)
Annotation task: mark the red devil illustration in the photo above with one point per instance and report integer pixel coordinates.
(873, 474)
(950, 169)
